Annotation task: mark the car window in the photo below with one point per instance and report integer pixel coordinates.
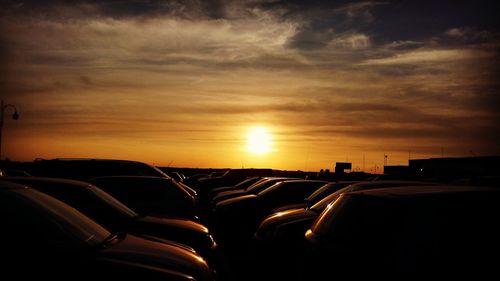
(355, 217)
(322, 191)
(321, 205)
(91, 201)
(117, 205)
(426, 233)
(38, 213)
(261, 186)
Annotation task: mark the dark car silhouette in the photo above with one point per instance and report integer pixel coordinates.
(439, 231)
(44, 238)
(248, 210)
(150, 195)
(280, 236)
(84, 169)
(240, 186)
(317, 195)
(288, 223)
(255, 188)
(111, 213)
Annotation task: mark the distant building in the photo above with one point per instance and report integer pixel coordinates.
(341, 167)
(456, 168)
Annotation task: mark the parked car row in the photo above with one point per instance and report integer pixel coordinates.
(93, 218)
(136, 220)
(43, 235)
(313, 230)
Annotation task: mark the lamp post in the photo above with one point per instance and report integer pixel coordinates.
(15, 116)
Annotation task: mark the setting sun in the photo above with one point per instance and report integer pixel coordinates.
(259, 141)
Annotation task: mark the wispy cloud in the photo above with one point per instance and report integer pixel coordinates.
(354, 41)
(429, 56)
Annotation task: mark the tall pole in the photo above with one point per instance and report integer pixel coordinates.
(1, 129)
(364, 163)
(15, 116)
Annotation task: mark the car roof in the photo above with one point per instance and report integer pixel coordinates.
(414, 191)
(86, 159)
(303, 181)
(130, 177)
(7, 185)
(393, 182)
(58, 181)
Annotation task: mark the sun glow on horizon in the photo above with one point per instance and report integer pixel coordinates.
(259, 141)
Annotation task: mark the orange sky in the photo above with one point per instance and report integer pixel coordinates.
(183, 84)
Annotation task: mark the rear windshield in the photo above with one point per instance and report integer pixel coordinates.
(67, 218)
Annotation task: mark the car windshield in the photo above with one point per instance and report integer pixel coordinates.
(321, 205)
(262, 185)
(117, 205)
(247, 183)
(319, 193)
(359, 219)
(270, 189)
(157, 172)
(72, 221)
(327, 214)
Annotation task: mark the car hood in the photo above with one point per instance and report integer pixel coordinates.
(187, 232)
(228, 194)
(175, 223)
(269, 226)
(142, 252)
(238, 204)
(290, 207)
(221, 189)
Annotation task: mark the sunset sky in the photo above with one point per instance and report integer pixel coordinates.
(184, 83)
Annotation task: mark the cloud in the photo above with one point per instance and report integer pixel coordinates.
(404, 45)
(429, 56)
(177, 72)
(471, 35)
(360, 9)
(106, 42)
(351, 41)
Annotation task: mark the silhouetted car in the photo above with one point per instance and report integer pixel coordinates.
(445, 231)
(317, 195)
(287, 225)
(230, 177)
(111, 213)
(46, 239)
(193, 179)
(149, 195)
(248, 210)
(240, 186)
(84, 169)
(253, 189)
(217, 174)
(177, 176)
(16, 173)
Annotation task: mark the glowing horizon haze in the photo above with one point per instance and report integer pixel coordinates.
(184, 82)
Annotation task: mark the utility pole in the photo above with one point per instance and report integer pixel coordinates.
(15, 116)
(364, 163)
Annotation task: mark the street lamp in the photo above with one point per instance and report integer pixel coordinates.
(15, 116)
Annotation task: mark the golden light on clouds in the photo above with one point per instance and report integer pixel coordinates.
(248, 83)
